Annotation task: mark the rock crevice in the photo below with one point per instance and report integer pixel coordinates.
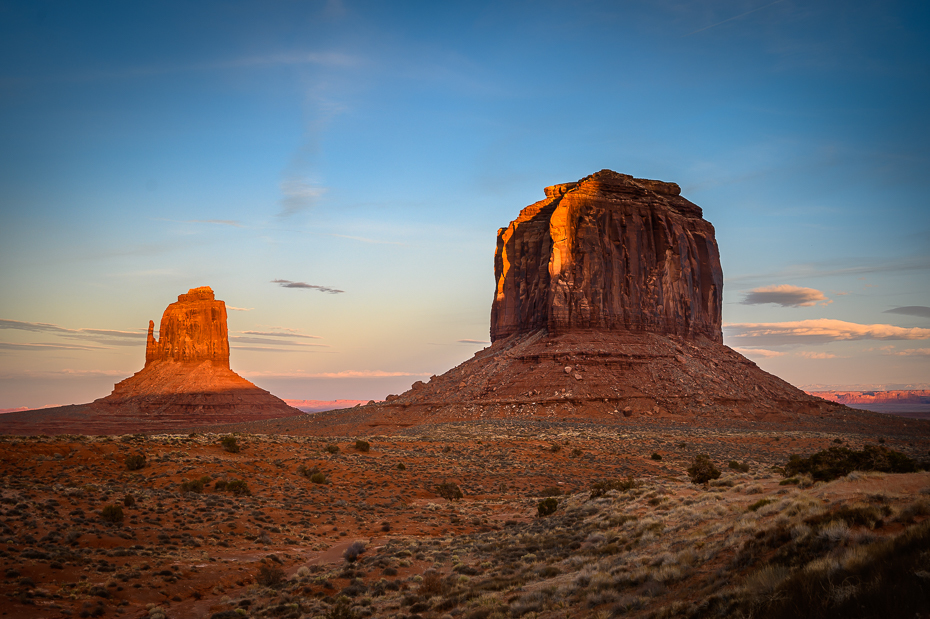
(610, 252)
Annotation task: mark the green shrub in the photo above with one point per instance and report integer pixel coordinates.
(112, 513)
(576, 453)
(194, 485)
(602, 487)
(656, 456)
(547, 507)
(353, 551)
(702, 470)
(401, 467)
(318, 478)
(220, 485)
(129, 501)
(449, 490)
(736, 466)
(332, 448)
(550, 491)
(135, 462)
(555, 448)
(363, 446)
(229, 444)
(270, 575)
(237, 487)
(760, 503)
(836, 462)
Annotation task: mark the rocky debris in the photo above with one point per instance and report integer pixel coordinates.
(610, 252)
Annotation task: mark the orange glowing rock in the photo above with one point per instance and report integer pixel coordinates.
(610, 252)
(187, 378)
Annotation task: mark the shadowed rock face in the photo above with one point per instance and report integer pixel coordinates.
(610, 252)
(192, 330)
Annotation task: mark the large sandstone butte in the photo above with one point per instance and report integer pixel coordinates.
(186, 382)
(607, 306)
(610, 252)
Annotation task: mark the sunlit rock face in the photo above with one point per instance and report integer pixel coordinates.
(192, 330)
(610, 252)
(187, 379)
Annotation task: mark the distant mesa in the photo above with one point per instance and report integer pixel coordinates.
(186, 382)
(187, 376)
(607, 306)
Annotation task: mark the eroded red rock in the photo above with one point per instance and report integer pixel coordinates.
(607, 306)
(610, 252)
(186, 382)
(192, 330)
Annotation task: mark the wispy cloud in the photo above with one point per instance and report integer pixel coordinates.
(786, 296)
(735, 17)
(219, 222)
(299, 194)
(239, 309)
(20, 347)
(256, 348)
(865, 266)
(290, 333)
(239, 339)
(473, 342)
(290, 58)
(817, 331)
(365, 240)
(911, 352)
(921, 311)
(343, 374)
(759, 352)
(816, 355)
(286, 283)
(107, 337)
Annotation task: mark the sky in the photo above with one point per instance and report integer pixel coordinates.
(337, 173)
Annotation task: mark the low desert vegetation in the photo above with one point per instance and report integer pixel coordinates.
(449, 490)
(362, 446)
(702, 470)
(742, 467)
(838, 462)
(547, 506)
(112, 513)
(525, 534)
(230, 444)
(135, 462)
(602, 487)
(332, 448)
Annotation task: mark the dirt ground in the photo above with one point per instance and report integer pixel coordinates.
(196, 552)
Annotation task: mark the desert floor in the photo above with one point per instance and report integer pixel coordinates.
(653, 544)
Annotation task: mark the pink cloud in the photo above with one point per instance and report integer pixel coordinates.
(817, 331)
(786, 295)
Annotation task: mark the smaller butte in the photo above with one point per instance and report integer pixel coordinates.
(187, 378)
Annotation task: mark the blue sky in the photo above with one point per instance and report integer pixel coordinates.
(376, 148)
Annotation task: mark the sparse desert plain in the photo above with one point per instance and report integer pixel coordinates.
(359, 527)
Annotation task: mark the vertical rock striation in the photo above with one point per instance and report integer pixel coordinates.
(192, 330)
(187, 380)
(610, 252)
(607, 306)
